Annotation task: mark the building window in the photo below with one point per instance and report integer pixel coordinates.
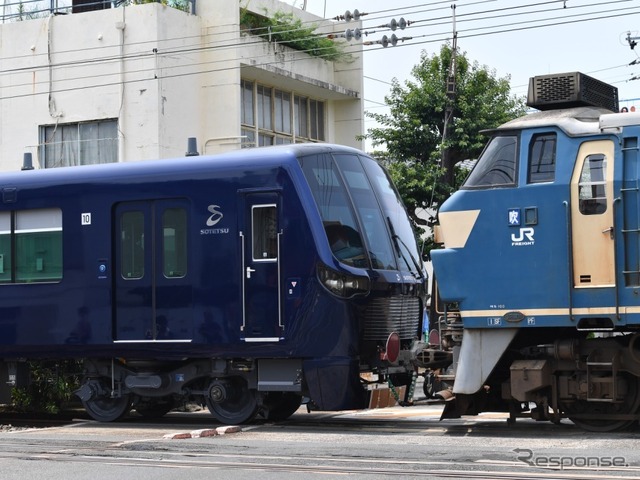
(247, 103)
(264, 108)
(282, 117)
(282, 111)
(31, 246)
(76, 144)
(316, 120)
(302, 117)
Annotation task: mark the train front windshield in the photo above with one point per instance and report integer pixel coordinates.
(365, 220)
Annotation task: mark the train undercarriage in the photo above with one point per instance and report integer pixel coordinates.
(233, 391)
(593, 379)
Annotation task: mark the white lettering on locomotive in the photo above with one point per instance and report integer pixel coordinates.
(524, 238)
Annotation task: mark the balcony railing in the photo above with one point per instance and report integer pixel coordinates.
(18, 10)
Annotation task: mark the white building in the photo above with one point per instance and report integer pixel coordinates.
(133, 83)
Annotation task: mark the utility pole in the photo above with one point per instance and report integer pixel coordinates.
(450, 108)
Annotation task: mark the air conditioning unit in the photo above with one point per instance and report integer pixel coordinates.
(566, 90)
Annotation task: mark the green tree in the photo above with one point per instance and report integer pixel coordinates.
(412, 131)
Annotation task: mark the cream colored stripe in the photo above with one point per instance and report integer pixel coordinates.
(533, 312)
(456, 227)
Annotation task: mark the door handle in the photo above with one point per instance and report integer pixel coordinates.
(610, 231)
(249, 270)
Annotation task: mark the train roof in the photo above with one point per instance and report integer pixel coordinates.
(574, 121)
(182, 166)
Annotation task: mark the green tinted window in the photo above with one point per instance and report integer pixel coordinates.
(38, 243)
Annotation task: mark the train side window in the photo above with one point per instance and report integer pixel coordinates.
(174, 242)
(542, 158)
(5, 247)
(38, 244)
(592, 187)
(132, 245)
(265, 232)
(496, 166)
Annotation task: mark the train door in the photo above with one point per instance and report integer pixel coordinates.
(153, 295)
(260, 235)
(592, 216)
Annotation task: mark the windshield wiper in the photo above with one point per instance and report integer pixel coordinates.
(398, 242)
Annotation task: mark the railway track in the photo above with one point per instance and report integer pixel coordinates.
(404, 443)
(291, 464)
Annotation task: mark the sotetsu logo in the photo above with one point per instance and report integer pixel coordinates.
(216, 215)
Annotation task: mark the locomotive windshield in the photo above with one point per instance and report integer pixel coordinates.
(496, 166)
(362, 213)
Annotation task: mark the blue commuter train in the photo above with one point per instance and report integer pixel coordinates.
(539, 280)
(245, 281)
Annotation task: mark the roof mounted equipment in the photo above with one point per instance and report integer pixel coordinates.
(566, 90)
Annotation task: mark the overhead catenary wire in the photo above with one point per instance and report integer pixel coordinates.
(444, 20)
(439, 37)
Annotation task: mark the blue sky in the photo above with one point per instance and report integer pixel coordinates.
(588, 36)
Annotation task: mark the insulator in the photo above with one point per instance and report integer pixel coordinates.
(385, 41)
(402, 24)
(348, 16)
(348, 34)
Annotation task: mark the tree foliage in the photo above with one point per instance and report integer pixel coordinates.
(50, 387)
(412, 131)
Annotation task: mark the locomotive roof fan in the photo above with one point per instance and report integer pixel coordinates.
(575, 89)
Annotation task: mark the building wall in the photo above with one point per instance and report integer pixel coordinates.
(165, 75)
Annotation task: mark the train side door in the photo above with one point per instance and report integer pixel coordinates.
(153, 294)
(592, 216)
(260, 235)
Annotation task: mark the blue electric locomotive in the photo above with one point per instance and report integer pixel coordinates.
(539, 279)
(246, 281)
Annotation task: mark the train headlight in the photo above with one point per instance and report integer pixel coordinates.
(341, 284)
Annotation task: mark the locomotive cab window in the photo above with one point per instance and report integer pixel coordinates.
(592, 186)
(542, 158)
(265, 232)
(496, 166)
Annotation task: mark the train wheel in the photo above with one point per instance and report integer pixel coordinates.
(107, 409)
(155, 408)
(630, 405)
(279, 406)
(230, 400)
(431, 385)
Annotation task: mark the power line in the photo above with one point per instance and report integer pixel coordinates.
(141, 55)
(198, 46)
